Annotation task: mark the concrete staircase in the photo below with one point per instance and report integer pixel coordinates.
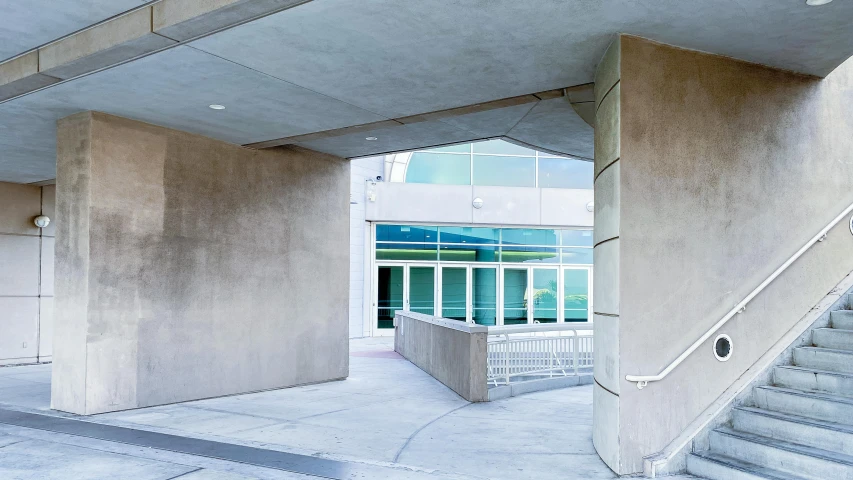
(801, 427)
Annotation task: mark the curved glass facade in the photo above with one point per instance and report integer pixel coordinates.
(497, 163)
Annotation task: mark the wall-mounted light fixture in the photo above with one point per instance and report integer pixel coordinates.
(42, 221)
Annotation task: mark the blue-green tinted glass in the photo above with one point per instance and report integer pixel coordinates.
(529, 236)
(544, 295)
(469, 235)
(577, 256)
(422, 290)
(517, 254)
(439, 168)
(515, 296)
(462, 148)
(576, 238)
(575, 295)
(389, 295)
(406, 251)
(454, 292)
(565, 173)
(469, 253)
(501, 147)
(504, 171)
(485, 295)
(406, 233)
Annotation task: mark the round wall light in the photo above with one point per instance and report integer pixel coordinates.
(590, 206)
(217, 107)
(817, 3)
(477, 203)
(723, 347)
(42, 221)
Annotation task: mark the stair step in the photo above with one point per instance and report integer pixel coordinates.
(810, 404)
(831, 436)
(834, 338)
(808, 462)
(802, 378)
(841, 319)
(824, 359)
(720, 467)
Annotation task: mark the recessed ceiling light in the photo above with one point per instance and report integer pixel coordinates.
(817, 3)
(217, 107)
(371, 138)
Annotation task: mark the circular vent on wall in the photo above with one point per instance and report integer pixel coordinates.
(723, 347)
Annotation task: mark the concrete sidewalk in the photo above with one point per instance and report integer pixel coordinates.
(388, 415)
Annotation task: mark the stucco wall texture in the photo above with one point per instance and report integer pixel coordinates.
(26, 274)
(721, 171)
(188, 267)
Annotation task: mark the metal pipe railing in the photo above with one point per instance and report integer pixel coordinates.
(643, 380)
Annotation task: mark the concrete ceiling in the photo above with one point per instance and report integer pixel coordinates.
(329, 64)
(26, 24)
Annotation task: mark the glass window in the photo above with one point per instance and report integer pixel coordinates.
(406, 233)
(576, 295)
(454, 293)
(565, 173)
(469, 253)
(484, 288)
(504, 171)
(389, 283)
(515, 254)
(576, 238)
(515, 296)
(501, 147)
(528, 236)
(577, 256)
(469, 235)
(461, 148)
(439, 168)
(545, 295)
(406, 251)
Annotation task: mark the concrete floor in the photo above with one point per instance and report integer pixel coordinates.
(388, 414)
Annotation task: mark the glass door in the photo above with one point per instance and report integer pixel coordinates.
(421, 292)
(544, 295)
(389, 297)
(576, 294)
(515, 291)
(454, 293)
(484, 294)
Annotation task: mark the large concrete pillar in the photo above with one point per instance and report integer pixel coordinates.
(709, 174)
(188, 267)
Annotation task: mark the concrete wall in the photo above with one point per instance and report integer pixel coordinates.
(453, 352)
(412, 202)
(710, 173)
(26, 274)
(187, 267)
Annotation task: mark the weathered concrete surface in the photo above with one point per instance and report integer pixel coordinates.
(454, 353)
(725, 170)
(190, 268)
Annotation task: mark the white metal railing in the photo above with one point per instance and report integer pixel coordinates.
(544, 350)
(643, 380)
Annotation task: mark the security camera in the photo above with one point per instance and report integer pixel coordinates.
(379, 178)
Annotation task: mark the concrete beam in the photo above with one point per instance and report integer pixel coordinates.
(182, 20)
(109, 43)
(21, 75)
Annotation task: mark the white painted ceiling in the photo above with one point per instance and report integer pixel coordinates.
(328, 64)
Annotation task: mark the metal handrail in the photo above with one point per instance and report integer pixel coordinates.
(643, 380)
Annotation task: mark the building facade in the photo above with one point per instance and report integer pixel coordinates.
(490, 232)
